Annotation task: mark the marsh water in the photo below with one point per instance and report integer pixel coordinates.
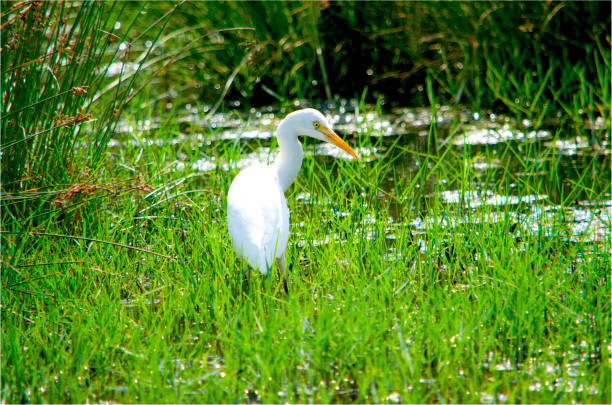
(548, 172)
(542, 174)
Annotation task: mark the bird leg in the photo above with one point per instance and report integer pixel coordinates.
(246, 281)
(281, 264)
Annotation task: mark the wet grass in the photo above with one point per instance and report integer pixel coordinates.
(397, 293)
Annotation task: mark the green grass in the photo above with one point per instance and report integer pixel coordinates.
(430, 272)
(56, 96)
(471, 304)
(530, 59)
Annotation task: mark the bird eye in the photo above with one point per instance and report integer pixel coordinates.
(316, 124)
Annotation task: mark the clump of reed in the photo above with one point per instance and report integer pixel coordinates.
(58, 108)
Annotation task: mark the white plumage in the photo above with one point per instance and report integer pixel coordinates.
(258, 217)
(257, 213)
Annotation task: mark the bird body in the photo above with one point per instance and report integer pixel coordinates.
(257, 212)
(258, 217)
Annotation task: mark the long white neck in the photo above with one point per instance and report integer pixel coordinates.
(289, 160)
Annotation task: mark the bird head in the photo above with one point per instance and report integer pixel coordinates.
(310, 122)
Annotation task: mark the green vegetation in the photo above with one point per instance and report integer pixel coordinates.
(529, 58)
(55, 59)
(435, 269)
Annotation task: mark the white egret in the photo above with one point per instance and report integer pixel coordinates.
(257, 212)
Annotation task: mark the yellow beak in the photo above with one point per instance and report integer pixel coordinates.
(336, 140)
